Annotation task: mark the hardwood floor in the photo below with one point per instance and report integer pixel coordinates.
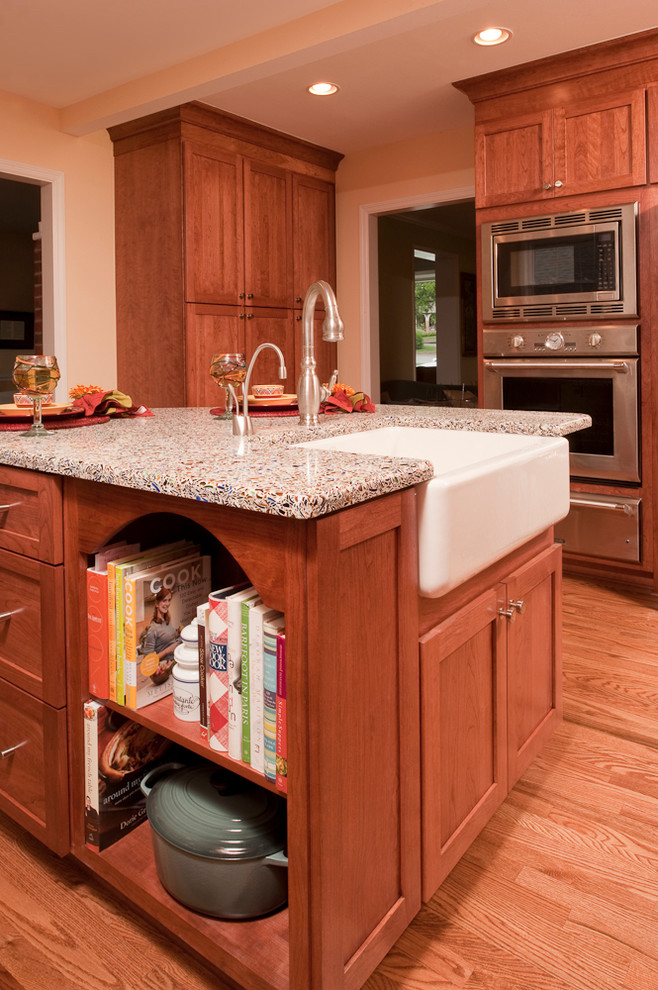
(560, 891)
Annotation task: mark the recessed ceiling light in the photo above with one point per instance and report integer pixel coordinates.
(323, 89)
(492, 36)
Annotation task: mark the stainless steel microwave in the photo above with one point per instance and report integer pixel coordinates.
(579, 265)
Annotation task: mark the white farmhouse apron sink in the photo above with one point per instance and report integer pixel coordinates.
(491, 492)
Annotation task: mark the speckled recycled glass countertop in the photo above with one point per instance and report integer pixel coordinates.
(190, 454)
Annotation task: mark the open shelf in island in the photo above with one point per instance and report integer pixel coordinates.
(160, 718)
(254, 953)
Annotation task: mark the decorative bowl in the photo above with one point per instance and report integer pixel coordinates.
(20, 399)
(267, 391)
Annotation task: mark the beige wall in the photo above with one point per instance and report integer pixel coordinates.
(31, 136)
(426, 171)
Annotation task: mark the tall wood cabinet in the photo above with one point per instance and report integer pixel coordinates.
(221, 226)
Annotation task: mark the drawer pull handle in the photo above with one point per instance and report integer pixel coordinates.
(5, 616)
(6, 753)
(9, 505)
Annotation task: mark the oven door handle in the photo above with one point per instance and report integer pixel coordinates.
(610, 506)
(621, 366)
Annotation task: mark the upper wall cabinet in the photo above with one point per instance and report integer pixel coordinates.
(581, 147)
(213, 211)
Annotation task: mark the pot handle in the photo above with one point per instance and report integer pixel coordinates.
(277, 859)
(152, 777)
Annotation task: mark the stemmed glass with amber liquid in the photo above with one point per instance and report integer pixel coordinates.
(36, 375)
(228, 371)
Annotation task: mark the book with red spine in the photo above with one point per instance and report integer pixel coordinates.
(98, 642)
(97, 634)
(281, 730)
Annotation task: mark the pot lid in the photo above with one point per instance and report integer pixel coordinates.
(211, 812)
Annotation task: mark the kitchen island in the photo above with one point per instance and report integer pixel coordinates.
(329, 539)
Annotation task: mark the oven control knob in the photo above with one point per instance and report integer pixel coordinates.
(595, 340)
(517, 341)
(554, 341)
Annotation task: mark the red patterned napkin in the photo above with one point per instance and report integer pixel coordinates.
(340, 401)
(113, 403)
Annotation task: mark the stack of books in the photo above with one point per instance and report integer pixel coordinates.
(242, 680)
(137, 603)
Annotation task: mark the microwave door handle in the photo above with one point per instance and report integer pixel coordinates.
(620, 366)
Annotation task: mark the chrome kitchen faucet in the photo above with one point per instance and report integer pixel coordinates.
(242, 425)
(310, 393)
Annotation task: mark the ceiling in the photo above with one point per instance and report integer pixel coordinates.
(395, 60)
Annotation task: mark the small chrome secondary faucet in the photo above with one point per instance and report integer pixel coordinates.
(310, 393)
(242, 425)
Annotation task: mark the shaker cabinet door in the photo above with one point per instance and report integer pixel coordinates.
(463, 731)
(275, 326)
(600, 144)
(213, 226)
(534, 671)
(514, 158)
(268, 235)
(210, 330)
(314, 240)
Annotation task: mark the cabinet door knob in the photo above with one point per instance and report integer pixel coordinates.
(519, 606)
(558, 184)
(508, 613)
(250, 295)
(250, 316)
(547, 186)
(242, 316)
(241, 296)
(298, 298)
(298, 318)
(6, 753)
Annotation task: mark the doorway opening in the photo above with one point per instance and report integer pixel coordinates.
(32, 287)
(426, 262)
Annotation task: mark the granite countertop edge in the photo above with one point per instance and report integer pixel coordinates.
(188, 453)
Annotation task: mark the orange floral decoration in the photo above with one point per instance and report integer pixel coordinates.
(79, 390)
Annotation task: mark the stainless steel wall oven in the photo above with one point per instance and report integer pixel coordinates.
(592, 370)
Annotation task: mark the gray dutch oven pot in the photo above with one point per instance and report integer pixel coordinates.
(218, 840)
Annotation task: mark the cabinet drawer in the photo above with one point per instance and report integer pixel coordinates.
(33, 766)
(32, 640)
(31, 514)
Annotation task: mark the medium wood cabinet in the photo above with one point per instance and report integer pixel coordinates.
(582, 147)
(212, 210)
(490, 698)
(353, 786)
(33, 751)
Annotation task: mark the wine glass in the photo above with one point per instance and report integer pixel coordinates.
(36, 375)
(228, 370)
